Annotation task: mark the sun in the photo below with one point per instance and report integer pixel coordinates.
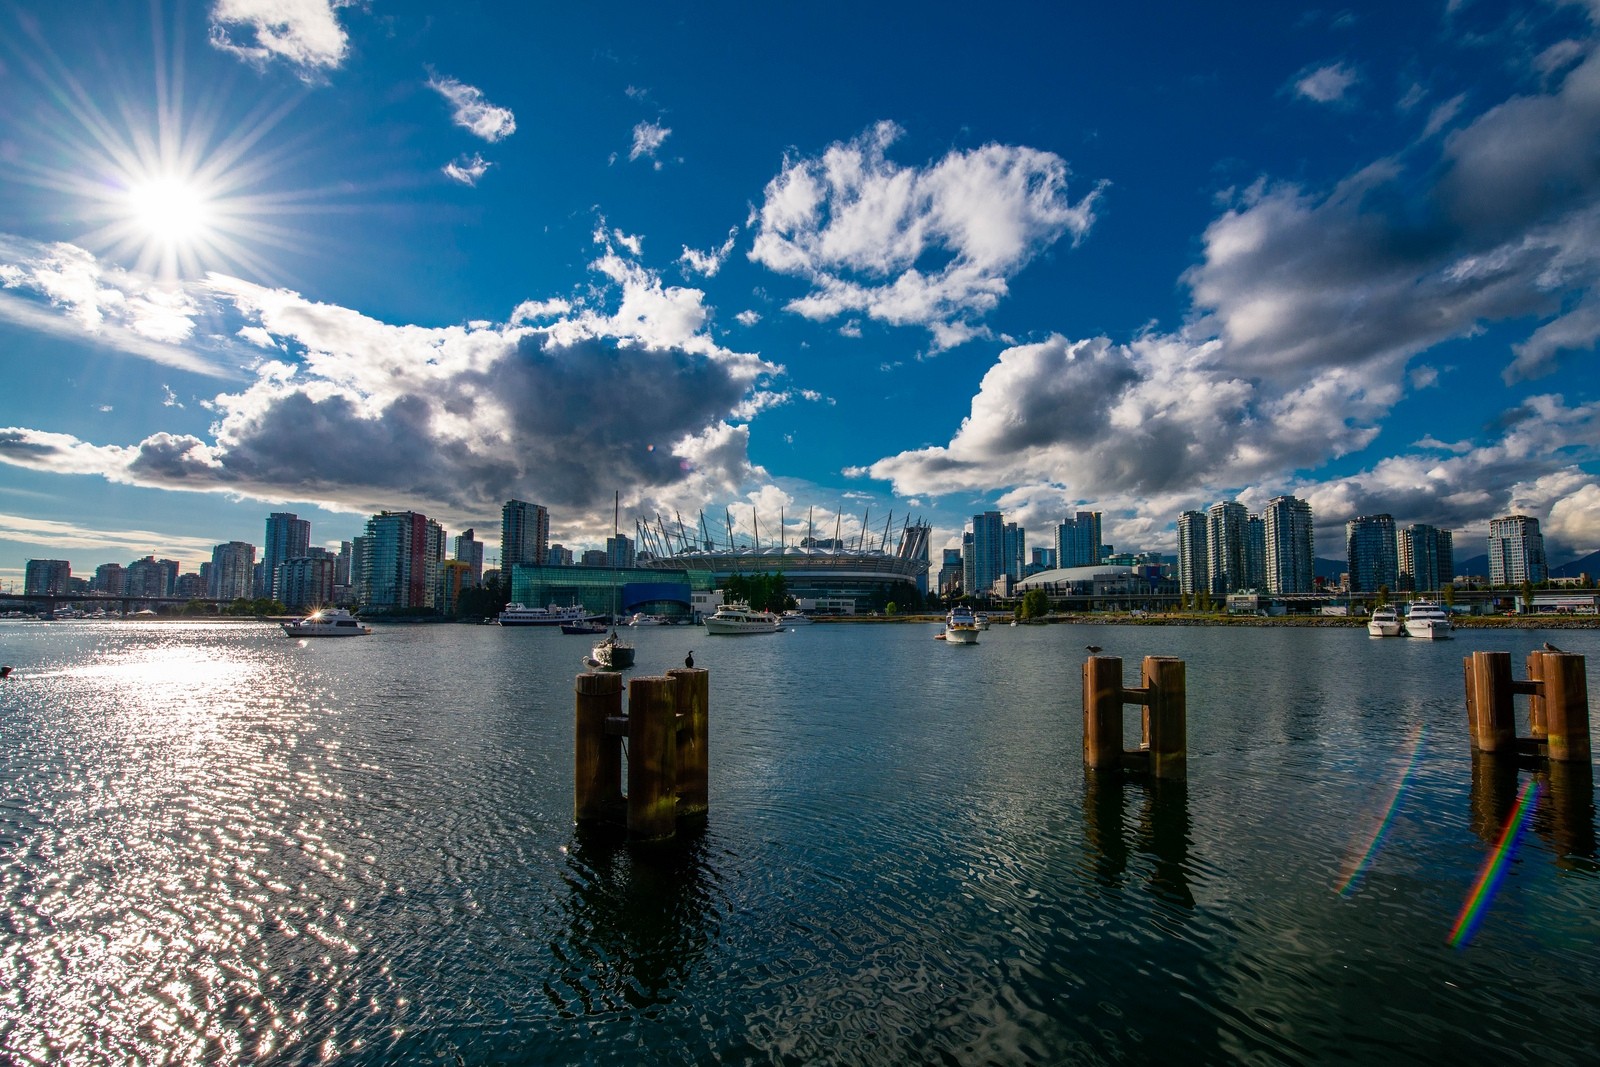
(171, 210)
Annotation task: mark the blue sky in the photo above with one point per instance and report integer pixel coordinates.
(927, 259)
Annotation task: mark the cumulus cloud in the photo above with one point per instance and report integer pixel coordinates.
(468, 169)
(303, 33)
(471, 110)
(709, 262)
(647, 138)
(932, 246)
(1327, 84)
(462, 417)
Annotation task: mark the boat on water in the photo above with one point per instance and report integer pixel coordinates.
(733, 619)
(795, 618)
(585, 628)
(961, 627)
(1385, 622)
(1428, 620)
(611, 654)
(554, 615)
(328, 622)
(639, 618)
(982, 619)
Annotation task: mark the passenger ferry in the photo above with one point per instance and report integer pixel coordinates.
(554, 615)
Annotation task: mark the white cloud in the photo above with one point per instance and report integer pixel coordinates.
(1327, 84)
(647, 138)
(708, 263)
(930, 246)
(1444, 115)
(471, 110)
(468, 169)
(748, 317)
(303, 33)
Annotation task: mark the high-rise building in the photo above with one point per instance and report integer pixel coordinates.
(1373, 553)
(1227, 548)
(402, 560)
(1078, 541)
(558, 556)
(44, 577)
(288, 537)
(305, 582)
(469, 550)
(1290, 546)
(1041, 559)
(1015, 539)
(620, 551)
(950, 572)
(988, 551)
(1255, 553)
(109, 578)
(1516, 551)
(969, 563)
(232, 575)
(151, 577)
(191, 585)
(1193, 558)
(1427, 560)
(454, 576)
(524, 534)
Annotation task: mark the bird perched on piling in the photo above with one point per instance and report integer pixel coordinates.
(1548, 647)
(688, 661)
(1094, 650)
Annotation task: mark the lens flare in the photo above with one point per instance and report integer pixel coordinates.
(1355, 869)
(1494, 868)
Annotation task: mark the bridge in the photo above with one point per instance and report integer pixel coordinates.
(46, 603)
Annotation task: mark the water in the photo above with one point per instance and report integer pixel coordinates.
(219, 845)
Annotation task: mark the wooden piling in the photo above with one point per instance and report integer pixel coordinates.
(1566, 707)
(693, 699)
(1165, 679)
(1102, 712)
(597, 755)
(652, 758)
(1489, 702)
(1536, 726)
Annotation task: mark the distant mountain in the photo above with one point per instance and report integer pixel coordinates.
(1589, 564)
(1477, 565)
(1330, 568)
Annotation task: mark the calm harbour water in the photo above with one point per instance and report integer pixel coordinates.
(219, 845)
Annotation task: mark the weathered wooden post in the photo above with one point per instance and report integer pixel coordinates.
(652, 758)
(693, 697)
(1536, 727)
(1102, 712)
(1566, 707)
(1165, 679)
(1490, 707)
(597, 751)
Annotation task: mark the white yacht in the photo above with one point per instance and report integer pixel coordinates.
(733, 619)
(1385, 622)
(554, 615)
(328, 622)
(961, 627)
(1427, 619)
(795, 618)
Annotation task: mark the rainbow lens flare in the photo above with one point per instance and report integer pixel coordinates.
(1494, 868)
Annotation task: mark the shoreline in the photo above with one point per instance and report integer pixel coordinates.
(1330, 622)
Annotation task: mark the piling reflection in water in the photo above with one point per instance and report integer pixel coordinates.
(1563, 816)
(1161, 830)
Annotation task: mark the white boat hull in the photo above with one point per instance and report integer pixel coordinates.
(961, 635)
(1429, 631)
(715, 627)
(1385, 629)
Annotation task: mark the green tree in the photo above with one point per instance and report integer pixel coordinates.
(1382, 600)
(1448, 594)
(1527, 595)
(1035, 605)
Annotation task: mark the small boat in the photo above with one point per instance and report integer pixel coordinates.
(554, 615)
(639, 618)
(733, 619)
(611, 654)
(795, 618)
(1385, 622)
(587, 628)
(961, 627)
(1428, 620)
(329, 622)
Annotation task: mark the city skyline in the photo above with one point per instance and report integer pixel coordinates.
(335, 259)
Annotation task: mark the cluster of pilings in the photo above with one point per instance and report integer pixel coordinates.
(665, 726)
(1558, 705)
(1162, 695)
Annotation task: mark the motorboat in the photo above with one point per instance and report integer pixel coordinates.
(584, 628)
(1385, 622)
(982, 619)
(641, 619)
(611, 654)
(961, 627)
(554, 615)
(328, 622)
(1429, 620)
(795, 618)
(732, 619)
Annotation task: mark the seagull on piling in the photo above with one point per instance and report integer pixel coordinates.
(1548, 647)
(688, 661)
(1094, 650)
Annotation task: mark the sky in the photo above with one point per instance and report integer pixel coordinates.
(818, 263)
